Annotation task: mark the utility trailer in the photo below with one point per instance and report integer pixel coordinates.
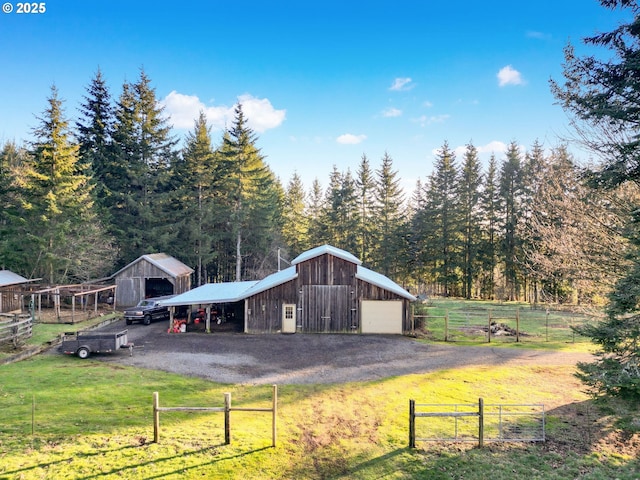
(83, 344)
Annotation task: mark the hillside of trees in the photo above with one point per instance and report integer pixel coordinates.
(82, 199)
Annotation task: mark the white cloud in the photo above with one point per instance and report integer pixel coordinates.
(494, 147)
(184, 110)
(350, 139)
(260, 114)
(391, 112)
(400, 84)
(509, 76)
(427, 104)
(425, 120)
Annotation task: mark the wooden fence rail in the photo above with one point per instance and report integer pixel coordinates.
(226, 409)
(15, 328)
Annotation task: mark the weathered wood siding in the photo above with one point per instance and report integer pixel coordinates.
(11, 299)
(327, 296)
(264, 310)
(130, 282)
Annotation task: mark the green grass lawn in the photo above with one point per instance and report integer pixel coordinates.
(94, 420)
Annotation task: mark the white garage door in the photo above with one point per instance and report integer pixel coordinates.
(381, 316)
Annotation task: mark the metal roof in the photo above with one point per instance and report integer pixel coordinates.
(7, 277)
(323, 249)
(211, 293)
(168, 264)
(383, 282)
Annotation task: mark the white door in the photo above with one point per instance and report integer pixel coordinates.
(289, 318)
(381, 316)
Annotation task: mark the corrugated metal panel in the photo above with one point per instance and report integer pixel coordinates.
(7, 277)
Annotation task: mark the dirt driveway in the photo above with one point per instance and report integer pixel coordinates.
(312, 358)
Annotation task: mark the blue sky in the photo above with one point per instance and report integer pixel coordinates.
(322, 83)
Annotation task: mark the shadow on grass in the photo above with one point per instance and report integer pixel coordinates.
(66, 460)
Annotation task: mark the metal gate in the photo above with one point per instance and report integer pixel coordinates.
(478, 422)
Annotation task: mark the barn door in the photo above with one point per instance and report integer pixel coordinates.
(326, 308)
(289, 318)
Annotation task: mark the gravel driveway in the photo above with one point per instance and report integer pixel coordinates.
(308, 358)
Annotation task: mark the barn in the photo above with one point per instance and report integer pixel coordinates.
(152, 275)
(325, 290)
(12, 288)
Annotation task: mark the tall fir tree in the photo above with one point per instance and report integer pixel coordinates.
(68, 239)
(295, 228)
(511, 190)
(253, 197)
(490, 208)
(470, 192)
(365, 186)
(193, 195)
(389, 213)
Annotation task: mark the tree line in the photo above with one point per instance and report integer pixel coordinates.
(81, 200)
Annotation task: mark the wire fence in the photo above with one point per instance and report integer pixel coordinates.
(500, 324)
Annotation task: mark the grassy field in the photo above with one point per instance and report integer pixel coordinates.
(83, 419)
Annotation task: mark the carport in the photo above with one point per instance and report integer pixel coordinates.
(226, 299)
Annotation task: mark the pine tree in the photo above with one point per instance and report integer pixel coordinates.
(490, 206)
(63, 224)
(295, 229)
(252, 192)
(317, 233)
(443, 206)
(470, 183)
(193, 196)
(94, 135)
(389, 213)
(511, 189)
(366, 185)
(143, 153)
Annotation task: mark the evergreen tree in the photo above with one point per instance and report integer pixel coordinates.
(470, 192)
(317, 233)
(365, 186)
(252, 193)
(143, 153)
(295, 229)
(511, 189)
(389, 214)
(13, 254)
(193, 197)
(490, 207)
(443, 205)
(94, 135)
(68, 238)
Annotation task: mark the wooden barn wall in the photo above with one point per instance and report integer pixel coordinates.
(326, 270)
(11, 299)
(131, 282)
(264, 310)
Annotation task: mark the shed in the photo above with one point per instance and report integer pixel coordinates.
(326, 290)
(11, 291)
(152, 275)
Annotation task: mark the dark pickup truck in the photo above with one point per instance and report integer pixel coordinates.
(147, 311)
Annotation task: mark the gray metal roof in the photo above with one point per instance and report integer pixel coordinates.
(381, 281)
(7, 277)
(211, 293)
(323, 249)
(168, 264)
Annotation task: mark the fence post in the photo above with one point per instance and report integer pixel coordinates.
(446, 325)
(412, 424)
(156, 418)
(227, 418)
(517, 324)
(275, 412)
(489, 330)
(480, 422)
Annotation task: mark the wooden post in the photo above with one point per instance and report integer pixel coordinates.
(274, 416)
(480, 422)
(489, 330)
(156, 418)
(412, 424)
(517, 325)
(547, 325)
(446, 325)
(227, 418)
